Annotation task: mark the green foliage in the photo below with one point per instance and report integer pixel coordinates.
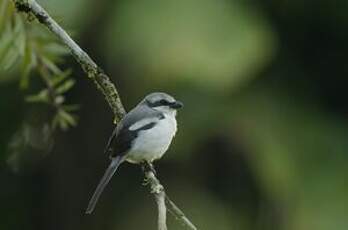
(32, 50)
(29, 51)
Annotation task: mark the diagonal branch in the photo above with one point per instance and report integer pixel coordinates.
(158, 190)
(163, 200)
(111, 95)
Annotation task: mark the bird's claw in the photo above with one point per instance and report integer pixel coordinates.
(145, 182)
(147, 166)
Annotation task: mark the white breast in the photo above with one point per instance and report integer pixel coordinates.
(151, 144)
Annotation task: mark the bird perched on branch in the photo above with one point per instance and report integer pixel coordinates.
(143, 135)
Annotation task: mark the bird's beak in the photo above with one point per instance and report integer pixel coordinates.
(177, 105)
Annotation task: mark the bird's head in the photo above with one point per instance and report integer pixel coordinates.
(163, 102)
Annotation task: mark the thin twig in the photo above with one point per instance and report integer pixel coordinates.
(162, 199)
(178, 214)
(111, 95)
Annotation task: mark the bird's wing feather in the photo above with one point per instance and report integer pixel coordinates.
(140, 118)
(143, 123)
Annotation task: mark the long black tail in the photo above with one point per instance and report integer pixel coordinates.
(115, 162)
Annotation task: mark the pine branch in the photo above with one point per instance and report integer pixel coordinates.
(104, 84)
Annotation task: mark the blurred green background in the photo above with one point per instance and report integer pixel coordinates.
(262, 140)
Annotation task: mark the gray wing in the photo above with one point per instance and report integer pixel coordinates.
(121, 139)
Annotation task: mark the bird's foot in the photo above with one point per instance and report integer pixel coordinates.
(147, 166)
(145, 182)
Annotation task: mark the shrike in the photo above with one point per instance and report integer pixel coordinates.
(143, 135)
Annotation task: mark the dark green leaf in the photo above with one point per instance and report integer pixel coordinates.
(71, 108)
(19, 35)
(57, 79)
(56, 49)
(10, 59)
(42, 96)
(50, 65)
(66, 86)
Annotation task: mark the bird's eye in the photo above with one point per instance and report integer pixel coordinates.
(163, 102)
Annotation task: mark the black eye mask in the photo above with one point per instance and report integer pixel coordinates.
(163, 102)
(160, 103)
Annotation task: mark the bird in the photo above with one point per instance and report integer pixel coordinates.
(143, 135)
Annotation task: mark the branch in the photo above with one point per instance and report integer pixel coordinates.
(111, 95)
(162, 200)
(178, 214)
(158, 190)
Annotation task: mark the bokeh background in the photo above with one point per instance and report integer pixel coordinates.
(262, 140)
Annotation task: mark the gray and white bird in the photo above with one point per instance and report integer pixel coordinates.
(143, 135)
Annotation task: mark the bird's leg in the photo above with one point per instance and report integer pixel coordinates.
(148, 167)
(152, 168)
(144, 168)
